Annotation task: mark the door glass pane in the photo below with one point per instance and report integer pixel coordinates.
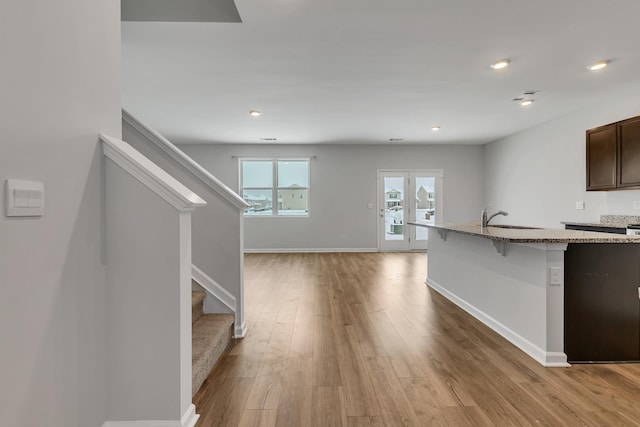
(394, 208)
(425, 204)
(256, 173)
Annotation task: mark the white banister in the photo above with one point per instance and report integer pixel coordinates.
(169, 148)
(147, 172)
(218, 247)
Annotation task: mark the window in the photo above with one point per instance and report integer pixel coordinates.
(278, 187)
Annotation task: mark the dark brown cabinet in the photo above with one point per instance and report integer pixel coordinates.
(613, 155)
(601, 158)
(602, 305)
(629, 153)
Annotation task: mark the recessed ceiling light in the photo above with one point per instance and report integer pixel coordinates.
(255, 113)
(503, 63)
(598, 65)
(526, 102)
(435, 128)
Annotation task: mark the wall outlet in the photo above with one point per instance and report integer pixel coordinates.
(555, 276)
(636, 204)
(580, 206)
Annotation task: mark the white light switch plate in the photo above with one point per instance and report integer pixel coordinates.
(555, 276)
(24, 198)
(580, 206)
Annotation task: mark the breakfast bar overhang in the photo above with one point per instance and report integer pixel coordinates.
(509, 278)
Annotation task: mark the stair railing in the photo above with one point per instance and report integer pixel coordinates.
(218, 247)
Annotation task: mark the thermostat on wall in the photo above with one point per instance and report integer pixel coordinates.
(24, 198)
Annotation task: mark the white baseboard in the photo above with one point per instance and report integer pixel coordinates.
(307, 250)
(189, 419)
(556, 360)
(240, 330)
(214, 288)
(547, 359)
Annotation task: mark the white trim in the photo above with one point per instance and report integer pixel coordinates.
(185, 313)
(148, 173)
(187, 162)
(307, 250)
(251, 217)
(189, 419)
(556, 360)
(214, 288)
(217, 291)
(547, 359)
(239, 331)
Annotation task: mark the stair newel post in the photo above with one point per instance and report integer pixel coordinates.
(185, 311)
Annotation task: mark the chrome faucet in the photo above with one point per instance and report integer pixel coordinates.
(484, 221)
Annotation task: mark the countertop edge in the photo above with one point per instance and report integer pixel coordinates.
(546, 235)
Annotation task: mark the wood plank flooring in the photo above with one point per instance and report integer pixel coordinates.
(358, 340)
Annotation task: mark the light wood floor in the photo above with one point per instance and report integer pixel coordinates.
(359, 340)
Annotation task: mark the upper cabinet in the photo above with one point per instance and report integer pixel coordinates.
(601, 158)
(629, 153)
(613, 155)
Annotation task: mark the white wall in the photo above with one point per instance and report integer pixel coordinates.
(343, 182)
(538, 175)
(60, 88)
(143, 301)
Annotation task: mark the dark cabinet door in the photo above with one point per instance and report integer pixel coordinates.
(629, 153)
(602, 308)
(601, 158)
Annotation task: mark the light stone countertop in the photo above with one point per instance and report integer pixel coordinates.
(532, 235)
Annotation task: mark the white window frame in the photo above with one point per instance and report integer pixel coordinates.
(275, 213)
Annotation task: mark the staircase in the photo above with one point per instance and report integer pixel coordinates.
(217, 244)
(211, 336)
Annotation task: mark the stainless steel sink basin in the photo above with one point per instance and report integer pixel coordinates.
(515, 227)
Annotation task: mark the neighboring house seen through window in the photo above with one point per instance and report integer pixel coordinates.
(275, 187)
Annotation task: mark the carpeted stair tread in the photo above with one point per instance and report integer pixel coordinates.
(211, 335)
(197, 300)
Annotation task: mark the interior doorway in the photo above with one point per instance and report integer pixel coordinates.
(407, 196)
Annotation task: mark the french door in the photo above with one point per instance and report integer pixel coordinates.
(407, 196)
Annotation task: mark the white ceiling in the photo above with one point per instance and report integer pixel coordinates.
(365, 71)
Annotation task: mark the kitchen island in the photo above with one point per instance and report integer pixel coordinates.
(513, 279)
